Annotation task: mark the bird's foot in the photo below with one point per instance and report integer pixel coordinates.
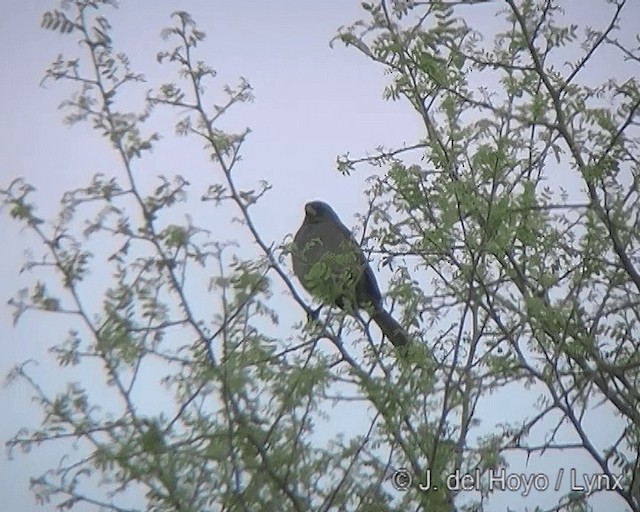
(314, 314)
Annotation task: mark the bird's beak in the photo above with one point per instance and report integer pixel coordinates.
(310, 210)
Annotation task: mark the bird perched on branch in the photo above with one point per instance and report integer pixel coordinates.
(331, 266)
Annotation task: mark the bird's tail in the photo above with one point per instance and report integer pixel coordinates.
(391, 328)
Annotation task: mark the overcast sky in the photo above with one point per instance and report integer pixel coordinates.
(312, 104)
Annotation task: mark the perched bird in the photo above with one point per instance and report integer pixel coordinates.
(331, 266)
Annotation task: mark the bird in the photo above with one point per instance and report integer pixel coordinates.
(331, 266)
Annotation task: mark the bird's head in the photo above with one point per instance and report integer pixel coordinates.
(319, 211)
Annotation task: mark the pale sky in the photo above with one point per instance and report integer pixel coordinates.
(312, 104)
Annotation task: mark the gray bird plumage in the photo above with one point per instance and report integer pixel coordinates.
(331, 266)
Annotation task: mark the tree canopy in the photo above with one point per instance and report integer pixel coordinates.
(516, 287)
